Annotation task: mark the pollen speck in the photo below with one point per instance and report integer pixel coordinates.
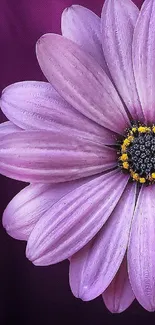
(126, 142)
(124, 157)
(123, 147)
(142, 180)
(134, 129)
(130, 138)
(135, 176)
(126, 165)
(142, 129)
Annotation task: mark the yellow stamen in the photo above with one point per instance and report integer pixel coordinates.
(153, 129)
(153, 175)
(142, 180)
(135, 176)
(123, 147)
(143, 129)
(134, 129)
(130, 138)
(126, 142)
(126, 165)
(124, 157)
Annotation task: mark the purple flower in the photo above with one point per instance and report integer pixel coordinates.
(86, 143)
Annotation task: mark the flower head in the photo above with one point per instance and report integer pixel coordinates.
(86, 143)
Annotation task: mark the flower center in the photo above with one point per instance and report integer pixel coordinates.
(137, 153)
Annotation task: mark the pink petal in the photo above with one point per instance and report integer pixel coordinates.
(52, 157)
(118, 22)
(75, 219)
(36, 105)
(7, 128)
(30, 204)
(82, 26)
(119, 295)
(141, 253)
(144, 58)
(93, 268)
(81, 81)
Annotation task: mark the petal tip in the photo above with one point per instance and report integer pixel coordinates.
(70, 8)
(86, 294)
(28, 253)
(31, 256)
(74, 7)
(43, 39)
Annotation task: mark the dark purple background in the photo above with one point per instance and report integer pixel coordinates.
(28, 294)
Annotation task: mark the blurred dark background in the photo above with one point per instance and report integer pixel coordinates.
(29, 294)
